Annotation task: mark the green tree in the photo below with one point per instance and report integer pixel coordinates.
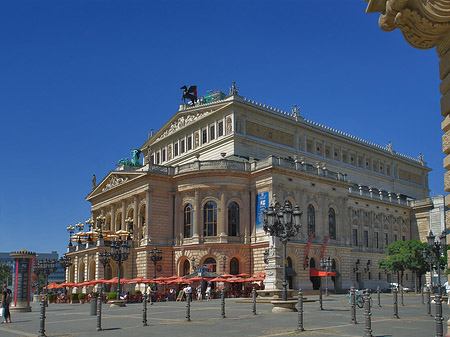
(416, 262)
(5, 274)
(398, 256)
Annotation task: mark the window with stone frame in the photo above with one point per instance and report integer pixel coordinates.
(189, 143)
(175, 149)
(182, 146)
(210, 263)
(188, 221)
(234, 266)
(212, 132)
(366, 239)
(311, 219)
(186, 267)
(375, 240)
(332, 223)
(355, 237)
(220, 129)
(210, 219)
(233, 219)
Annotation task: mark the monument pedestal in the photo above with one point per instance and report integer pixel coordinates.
(284, 306)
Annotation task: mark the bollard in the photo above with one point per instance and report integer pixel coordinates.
(401, 294)
(144, 310)
(300, 311)
(367, 315)
(353, 305)
(421, 294)
(320, 297)
(429, 302)
(394, 292)
(222, 297)
(254, 300)
(438, 318)
(42, 319)
(99, 312)
(379, 297)
(188, 307)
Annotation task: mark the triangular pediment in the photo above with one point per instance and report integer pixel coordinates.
(184, 118)
(113, 180)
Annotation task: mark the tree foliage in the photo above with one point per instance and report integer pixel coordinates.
(5, 274)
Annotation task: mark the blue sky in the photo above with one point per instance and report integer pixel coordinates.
(83, 82)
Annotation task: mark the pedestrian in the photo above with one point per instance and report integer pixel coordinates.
(199, 292)
(187, 291)
(6, 302)
(208, 292)
(447, 290)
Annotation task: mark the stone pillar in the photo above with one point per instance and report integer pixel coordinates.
(21, 281)
(223, 218)
(113, 218)
(135, 218)
(148, 220)
(244, 213)
(122, 220)
(197, 215)
(274, 268)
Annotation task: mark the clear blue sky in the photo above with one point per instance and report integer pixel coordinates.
(83, 82)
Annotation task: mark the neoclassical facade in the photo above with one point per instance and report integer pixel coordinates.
(210, 171)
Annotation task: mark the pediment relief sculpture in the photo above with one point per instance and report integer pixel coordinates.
(181, 122)
(114, 181)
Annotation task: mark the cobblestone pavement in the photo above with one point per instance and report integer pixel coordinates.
(168, 319)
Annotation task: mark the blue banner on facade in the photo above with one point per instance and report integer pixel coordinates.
(262, 202)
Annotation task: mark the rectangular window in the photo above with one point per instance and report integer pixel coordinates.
(395, 237)
(375, 240)
(182, 146)
(175, 149)
(212, 132)
(355, 237)
(189, 143)
(386, 240)
(152, 159)
(403, 238)
(366, 239)
(204, 136)
(220, 129)
(157, 158)
(163, 155)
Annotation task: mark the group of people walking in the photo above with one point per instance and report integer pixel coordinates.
(188, 291)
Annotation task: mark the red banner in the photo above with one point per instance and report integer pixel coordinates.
(325, 242)
(305, 263)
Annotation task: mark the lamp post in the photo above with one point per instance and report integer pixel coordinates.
(89, 222)
(224, 264)
(283, 223)
(435, 251)
(155, 256)
(104, 258)
(119, 253)
(45, 267)
(65, 261)
(326, 264)
(71, 230)
(129, 221)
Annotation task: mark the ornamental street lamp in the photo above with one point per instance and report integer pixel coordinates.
(89, 223)
(326, 264)
(435, 251)
(65, 261)
(155, 256)
(79, 226)
(45, 267)
(71, 230)
(119, 253)
(224, 264)
(104, 258)
(283, 223)
(100, 222)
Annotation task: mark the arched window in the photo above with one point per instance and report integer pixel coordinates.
(186, 267)
(233, 219)
(311, 215)
(234, 266)
(210, 263)
(188, 217)
(210, 219)
(332, 223)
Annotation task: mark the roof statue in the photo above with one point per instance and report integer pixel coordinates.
(94, 181)
(190, 93)
(234, 89)
(134, 160)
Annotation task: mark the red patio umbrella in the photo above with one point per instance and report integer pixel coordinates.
(68, 284)
(235, 279)
(218, 279)
(53, 285)
(196, 278)
(243, 275)
(139, 280)
(227, 275)
(254, 279)
(261, 273)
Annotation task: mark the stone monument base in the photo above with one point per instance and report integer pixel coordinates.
(20, 308)
(284, 306)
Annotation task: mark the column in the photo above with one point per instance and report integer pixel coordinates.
(147, 216)
(244, 214)
(136, 226)
(221, 230)
(197, 214)
(113, 218)
(122, 223)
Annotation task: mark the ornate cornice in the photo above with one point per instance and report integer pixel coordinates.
(424, 23)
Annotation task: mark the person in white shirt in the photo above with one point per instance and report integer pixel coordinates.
(447, 290)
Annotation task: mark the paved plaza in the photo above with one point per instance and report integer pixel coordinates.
(168, 319)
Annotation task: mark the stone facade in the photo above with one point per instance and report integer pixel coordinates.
(195, 198)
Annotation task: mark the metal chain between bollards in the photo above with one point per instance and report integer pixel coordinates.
(320, 297)
(222, 305)
(188, 307)
(379, 296)
(42, 319)
(99, 311)
(367, 314)
(254, 300)
(353, 305)
(428, 302)
(394, 293)
(438, 317)
(300, 311)
(144, 310)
